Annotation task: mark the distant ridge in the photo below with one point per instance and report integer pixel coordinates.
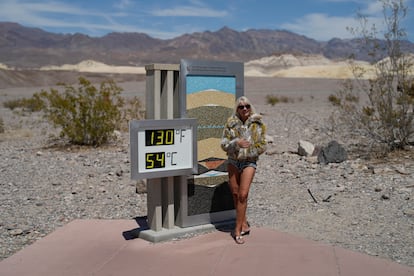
(24, 47)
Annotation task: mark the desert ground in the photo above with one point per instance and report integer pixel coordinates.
(361, 204)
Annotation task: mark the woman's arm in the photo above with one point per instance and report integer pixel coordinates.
(261, 143)
(229, 141)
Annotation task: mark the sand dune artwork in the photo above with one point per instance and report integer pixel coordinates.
(210, 99)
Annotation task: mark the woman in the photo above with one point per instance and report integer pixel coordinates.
(243, 140)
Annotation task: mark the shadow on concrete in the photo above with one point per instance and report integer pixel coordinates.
(134, 233)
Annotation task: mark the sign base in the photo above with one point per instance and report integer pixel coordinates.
(178, 232)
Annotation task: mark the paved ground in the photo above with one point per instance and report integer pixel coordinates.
(106, 247)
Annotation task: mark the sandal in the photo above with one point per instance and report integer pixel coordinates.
(247, 231)
(239, 239)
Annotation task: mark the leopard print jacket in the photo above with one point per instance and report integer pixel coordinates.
(253, 130)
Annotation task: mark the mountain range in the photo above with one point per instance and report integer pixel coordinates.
(25, 47)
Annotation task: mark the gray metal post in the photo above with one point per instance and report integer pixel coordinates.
(161, 91)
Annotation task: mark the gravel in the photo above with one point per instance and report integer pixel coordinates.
(362, 205)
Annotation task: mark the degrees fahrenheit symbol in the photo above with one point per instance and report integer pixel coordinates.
(181, 133)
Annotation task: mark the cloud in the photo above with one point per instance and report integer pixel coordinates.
(60, 15)
(324, 27)
(43, 14)
(198, 9)
(68, 17)
(373, 8)
(321, 26)
(123, 4)
(11, 8)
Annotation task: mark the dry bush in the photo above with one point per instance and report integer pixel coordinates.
(272, 99)
(31, 104)
(86, 115)
(385, 120)
(1, 125)
(133, 110)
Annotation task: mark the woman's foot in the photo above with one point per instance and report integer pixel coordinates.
(239, 239)
(246, 230)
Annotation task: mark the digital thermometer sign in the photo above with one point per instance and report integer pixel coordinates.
(161, 148)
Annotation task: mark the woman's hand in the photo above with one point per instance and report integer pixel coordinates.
(243, 143)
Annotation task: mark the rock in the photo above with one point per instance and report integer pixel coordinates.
(402, 171)
(119, 173)
(405, 190)
(332, 153)
(269, 139)
(312, 159)
(16, 232)
(383, 170)
(385, 197)
(370, 169)
(117, 135)
(340, 188)
(141, 186)
(316, 151)
(305, 148)
(409, 212)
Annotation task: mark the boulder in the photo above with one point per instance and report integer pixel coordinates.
(305, 148)
(332, 153)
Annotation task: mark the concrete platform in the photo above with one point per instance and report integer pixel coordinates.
(109, 247)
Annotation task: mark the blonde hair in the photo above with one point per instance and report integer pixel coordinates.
(245, 100)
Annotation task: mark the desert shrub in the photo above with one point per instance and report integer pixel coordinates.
(272, 99)
(333, 99)
(1, 125)
(132, 110)
(13, 104)
(284, 99)
(32, 104)
(87, 115)
(386, 118)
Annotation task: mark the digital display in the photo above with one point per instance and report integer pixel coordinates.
(161, 148)
(159, 137)
(154, 160)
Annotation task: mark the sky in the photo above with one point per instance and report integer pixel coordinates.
(321, 20)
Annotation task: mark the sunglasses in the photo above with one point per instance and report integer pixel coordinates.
(247, 106)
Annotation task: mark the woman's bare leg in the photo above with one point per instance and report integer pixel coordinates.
(246, 178)
(234, 178)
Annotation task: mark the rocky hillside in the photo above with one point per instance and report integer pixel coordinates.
(24, 47)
